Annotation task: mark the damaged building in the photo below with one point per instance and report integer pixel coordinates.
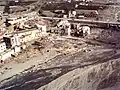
(64, 27)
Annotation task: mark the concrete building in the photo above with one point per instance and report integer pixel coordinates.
(14, 42)
(11, 41)
(28, 35)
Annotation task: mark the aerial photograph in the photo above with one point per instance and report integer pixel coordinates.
(59, 44)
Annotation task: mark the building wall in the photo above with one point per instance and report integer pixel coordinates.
(12, 41)
(2, 47)
(17, 49)
(29, 35)
(43, 28)
(6, 55)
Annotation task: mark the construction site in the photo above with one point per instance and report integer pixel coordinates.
(60, 45)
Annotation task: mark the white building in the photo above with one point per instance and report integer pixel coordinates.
(12, 40)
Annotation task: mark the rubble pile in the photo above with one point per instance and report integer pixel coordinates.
(76, 48)
(69, 57)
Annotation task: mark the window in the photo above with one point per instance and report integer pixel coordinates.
(40, 29)
(12, 41)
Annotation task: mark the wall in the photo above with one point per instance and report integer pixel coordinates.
(30, 35)
(2, 47)
(6, 55)
(43, 28)
(17, 49)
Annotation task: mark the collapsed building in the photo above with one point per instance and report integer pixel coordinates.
(12, 44)
(64, 27)
(16, 36)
